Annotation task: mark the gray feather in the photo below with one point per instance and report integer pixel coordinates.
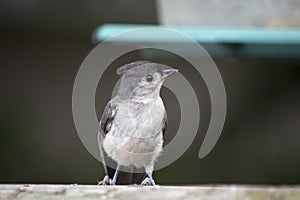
(122, 70)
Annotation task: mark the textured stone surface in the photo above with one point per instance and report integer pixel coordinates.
(230, 192)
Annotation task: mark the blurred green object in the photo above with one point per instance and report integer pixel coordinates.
(207, 35)
(219, 41)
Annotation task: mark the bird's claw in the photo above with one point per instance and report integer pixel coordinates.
(106, 181)
(148, 182)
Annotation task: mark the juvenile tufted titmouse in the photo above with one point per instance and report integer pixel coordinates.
(133, 123)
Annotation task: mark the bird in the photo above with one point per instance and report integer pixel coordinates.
(133, 124)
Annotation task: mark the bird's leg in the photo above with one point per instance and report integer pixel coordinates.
(149, 180)
(106, 181)
(114, 180)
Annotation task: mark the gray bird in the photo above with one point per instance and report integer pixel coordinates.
(133, 123)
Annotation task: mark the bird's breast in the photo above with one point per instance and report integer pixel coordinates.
(139, 119)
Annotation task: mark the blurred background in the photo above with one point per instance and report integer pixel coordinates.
(43, 44)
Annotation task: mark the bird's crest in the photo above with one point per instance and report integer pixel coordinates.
(122, 70)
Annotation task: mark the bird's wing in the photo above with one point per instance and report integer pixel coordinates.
(107, 117)
(104, 127)
(165, 124)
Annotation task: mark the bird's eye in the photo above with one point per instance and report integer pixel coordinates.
(149, 78)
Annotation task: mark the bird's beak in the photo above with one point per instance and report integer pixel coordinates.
(168, 72)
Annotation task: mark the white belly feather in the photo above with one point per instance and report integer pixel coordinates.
(135, 137)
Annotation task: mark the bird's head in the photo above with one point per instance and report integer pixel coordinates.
(142, 79)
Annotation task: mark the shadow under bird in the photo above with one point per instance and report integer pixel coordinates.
(133, 124)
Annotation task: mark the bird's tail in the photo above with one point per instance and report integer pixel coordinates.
(127, 178)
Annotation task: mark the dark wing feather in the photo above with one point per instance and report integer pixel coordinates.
(107, 117)
(105, 125)
(165, 125)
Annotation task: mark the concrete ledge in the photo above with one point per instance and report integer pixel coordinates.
(224, 192)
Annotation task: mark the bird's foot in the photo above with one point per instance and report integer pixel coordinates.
(106, 181)
(148, 181)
